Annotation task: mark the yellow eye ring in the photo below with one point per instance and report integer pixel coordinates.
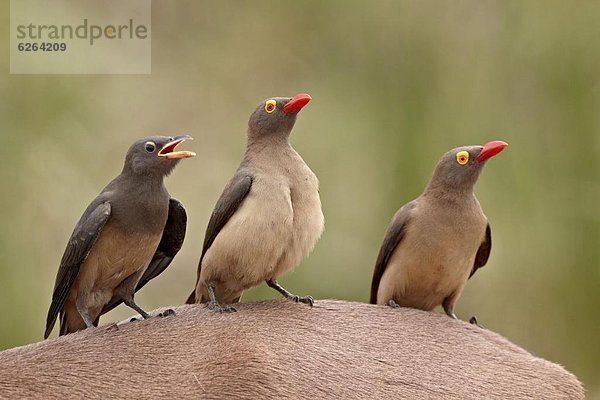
(270, 106)
(462, 157)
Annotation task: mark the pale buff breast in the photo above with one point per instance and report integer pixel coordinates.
(434, 259)
(115, 256)
(308, 221)
(277, 225)
(248, 247)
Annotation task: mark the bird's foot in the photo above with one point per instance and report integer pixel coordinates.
(128, 300)
(393, 304)
(133, 319)
(450, 312)
(168, 312)
(473, 321)
(303, 299)
(112, 327)
(215, 307)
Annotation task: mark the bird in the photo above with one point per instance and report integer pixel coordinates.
(436, 242)
(268, 217)
(127, 236)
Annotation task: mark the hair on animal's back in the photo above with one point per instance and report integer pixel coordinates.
(279, 349)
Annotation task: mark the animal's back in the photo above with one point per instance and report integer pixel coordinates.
(279, 349)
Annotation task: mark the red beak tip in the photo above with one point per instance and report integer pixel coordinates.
(490, 149)
(499, 143)
(297, 102)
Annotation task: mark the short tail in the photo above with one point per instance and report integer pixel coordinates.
(71, 321)
(49, 326)
(374, 290)
(64, 326)
(62, 317)
(373, 299)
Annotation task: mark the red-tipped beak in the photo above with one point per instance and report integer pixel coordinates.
(296, 103)
(490, 150)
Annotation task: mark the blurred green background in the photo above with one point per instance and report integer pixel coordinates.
(394, 84)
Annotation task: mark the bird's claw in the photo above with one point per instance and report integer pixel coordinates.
(473, 321)
(215, 307)
(391, 303)
(304, 299)
(112, 327)
(168, 312)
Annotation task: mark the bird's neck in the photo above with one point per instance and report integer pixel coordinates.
(461, 194)
(261, 144)
(140, 183)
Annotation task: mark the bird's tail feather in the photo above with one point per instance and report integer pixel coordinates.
(64, 326)
(373, 298)
(71, 321)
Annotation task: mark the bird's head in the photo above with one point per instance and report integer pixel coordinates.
(275, 117)
(460, 167)
(156, 155)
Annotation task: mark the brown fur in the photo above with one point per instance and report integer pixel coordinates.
(280, 350)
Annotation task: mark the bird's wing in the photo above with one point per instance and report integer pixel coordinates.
(79, 246)
(170, 243)
(393, 236)
(483, 253)
(232, 197)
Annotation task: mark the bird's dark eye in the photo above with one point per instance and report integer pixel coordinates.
(270, 106)
(150, 147)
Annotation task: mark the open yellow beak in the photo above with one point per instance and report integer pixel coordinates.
(169, 152)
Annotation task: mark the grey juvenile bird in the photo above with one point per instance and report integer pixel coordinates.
(268, 217)
(435, 243)
(127, 236)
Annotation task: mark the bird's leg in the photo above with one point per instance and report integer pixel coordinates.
(305, 299)
(165, 313)
(392, 303)
(213, 305)
(83, 311)
(126, 291)
(128, 300)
